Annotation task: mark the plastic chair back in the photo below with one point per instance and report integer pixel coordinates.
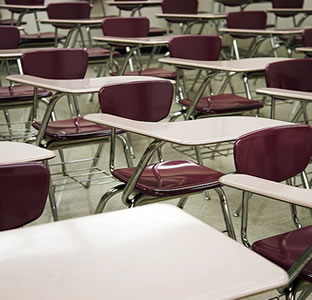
(24, 2)
(9, 37)
(307, 37)
(292, 75)
(276, 153)
(196, 47)
(68, 10)
(179, 7)
(287, 4)
(56, 63)
(126, 26)
(24, 190)
(148, 101)
(247, 19)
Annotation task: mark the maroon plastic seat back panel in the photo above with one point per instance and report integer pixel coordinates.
(127, 7)
(148, 101)
(197, 47)
(287, 4)
(9, 37)
(239, 3)
(56, 63)
(126, 26)
(292, 75)
(276, 153)
(307, 37)
(285, 249)
(24, 190)
(179, 7)
(246, 20)
(68, 10)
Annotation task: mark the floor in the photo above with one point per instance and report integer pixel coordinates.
(267, 217)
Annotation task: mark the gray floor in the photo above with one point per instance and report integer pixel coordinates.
(267, 217)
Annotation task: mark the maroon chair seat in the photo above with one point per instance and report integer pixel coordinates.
(285, 249)
(99, 53)
(156, 31)
(172, 178)
(9, 22)
(222, 104)
(24, 189)
(40, 37)
(155, 72)
(20, 93)
(71, 129)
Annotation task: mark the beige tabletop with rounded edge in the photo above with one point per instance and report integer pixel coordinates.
(271, 189)
(77, 86)
(25, 7)
(152, 252)
(199, 16)
(14, 152)
(304, 49)
(263, 32)
(17, 53)
(193, 132)
(290, 10)
(71, 21)
(285, 94)
(242, 65)
(134, 3)
(153, 40)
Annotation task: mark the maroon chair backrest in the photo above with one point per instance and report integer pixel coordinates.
(56, 63)
(179, 6)
(24, 190)
(276, 153)
(196, 47)
(247, 19)
(148, 101)
(238, 3)
(127, 7)
(307, 37)
(287, 4)
(9, 37)
(68, 10)
(290, 74)
(126, 26)
(24, 2)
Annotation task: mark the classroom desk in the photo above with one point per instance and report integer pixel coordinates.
(14, 152)
(137, 5)
(75, 25)
(284, 94)
(152, 252)
(245, 67)
(192, 19)
(305, 11)
(134, 44)
(23, 10)
(72, 86)
(263, 35)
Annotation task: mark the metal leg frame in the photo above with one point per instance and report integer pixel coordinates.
(293, 210)
(244, 221)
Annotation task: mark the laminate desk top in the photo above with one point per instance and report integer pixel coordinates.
(285, 94)
(193, 132)
(304, 49)
(24, 7)
(17, 53)
(194, 17)
(268, 188)
(152, 252)
(263, 32)
(76, 86)
(86, 22)
(134, 3)
(145, 41)
(242, 65)
(14, 152)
